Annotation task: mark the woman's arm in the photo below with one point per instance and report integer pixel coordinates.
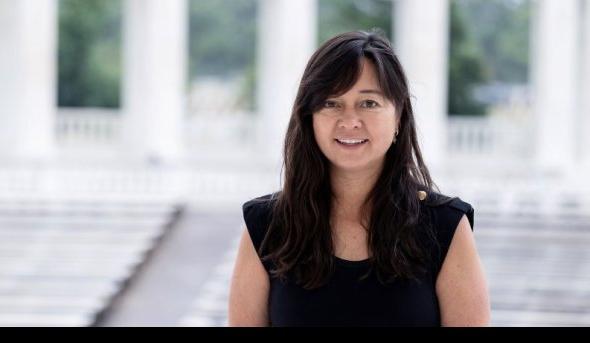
(461, 285)
(248, 296)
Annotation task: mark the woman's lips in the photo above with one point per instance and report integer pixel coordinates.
(351, 142)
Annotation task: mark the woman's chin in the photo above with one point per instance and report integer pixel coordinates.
(352, 166)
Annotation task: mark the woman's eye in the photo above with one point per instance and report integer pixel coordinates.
(370, 104)
(329, 104)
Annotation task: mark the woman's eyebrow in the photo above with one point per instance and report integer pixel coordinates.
(373, 91)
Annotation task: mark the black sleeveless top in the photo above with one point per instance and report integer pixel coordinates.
(346, 301)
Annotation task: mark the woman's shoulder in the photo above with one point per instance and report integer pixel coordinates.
(446, 208)
(445, 213)
(257, 214)
(259, 206)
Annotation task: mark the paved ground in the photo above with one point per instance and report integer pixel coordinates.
(163, 293)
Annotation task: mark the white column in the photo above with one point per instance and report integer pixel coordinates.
(421, 41)
(286, 40)
(584, 146)
(28, 35)
(555, 50)
(154, 83)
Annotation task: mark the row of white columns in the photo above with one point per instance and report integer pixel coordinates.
(155, 62)
(154, 78)
(153, 96)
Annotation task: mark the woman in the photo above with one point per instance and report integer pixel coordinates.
(357, 236)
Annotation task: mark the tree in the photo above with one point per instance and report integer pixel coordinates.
(223, 42)
(466, 67)
(89, 53)
(338, 16)
(222, 37)
(501, 29)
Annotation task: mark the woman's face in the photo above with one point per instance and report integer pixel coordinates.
(355, 130)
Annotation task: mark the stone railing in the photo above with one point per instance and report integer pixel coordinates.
(95, 126)
(466, 135)
(88, 126)
(488, 137)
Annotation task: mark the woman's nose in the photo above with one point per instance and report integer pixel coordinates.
(349, 120)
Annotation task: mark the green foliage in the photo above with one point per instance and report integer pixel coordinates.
(223, 42)
(466, 67)
(501, 28)
(222, 37)
(89, 53)
(338, 16)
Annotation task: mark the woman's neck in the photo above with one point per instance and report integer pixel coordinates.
(350, 190)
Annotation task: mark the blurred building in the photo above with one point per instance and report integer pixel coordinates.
(153, 123)
(151, 147)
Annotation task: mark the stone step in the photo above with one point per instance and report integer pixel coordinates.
(62, 266)
(17, 319)
(521, 318)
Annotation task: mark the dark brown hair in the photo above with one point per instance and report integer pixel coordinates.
(299, 238)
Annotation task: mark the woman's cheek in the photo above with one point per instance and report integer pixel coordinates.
(319, 134)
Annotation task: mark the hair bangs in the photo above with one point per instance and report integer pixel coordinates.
(390, 84)
(337, 77)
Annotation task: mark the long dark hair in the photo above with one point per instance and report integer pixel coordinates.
(299, 238)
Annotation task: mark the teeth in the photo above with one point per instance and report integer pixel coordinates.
(351, 141)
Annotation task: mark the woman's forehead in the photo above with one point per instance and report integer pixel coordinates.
(366, 81)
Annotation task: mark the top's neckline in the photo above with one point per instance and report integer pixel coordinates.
(344, 262)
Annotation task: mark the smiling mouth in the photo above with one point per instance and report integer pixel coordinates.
(351, 142)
